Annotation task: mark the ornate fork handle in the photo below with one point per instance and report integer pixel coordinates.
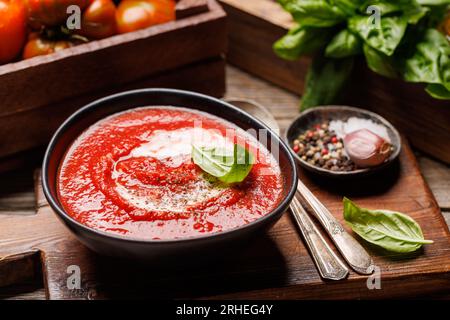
(352, 251)
(329, 265)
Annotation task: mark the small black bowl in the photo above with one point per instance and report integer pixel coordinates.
(315, 115)
(126, 247)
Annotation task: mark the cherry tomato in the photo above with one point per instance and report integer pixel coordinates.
(12, 29)
(39, 46)
(99, 20)
(133, 15)
(51, 12)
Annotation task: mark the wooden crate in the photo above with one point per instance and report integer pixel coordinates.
(255, 25)
(38, 94)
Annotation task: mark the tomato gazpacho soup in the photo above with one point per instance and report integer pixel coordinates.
(132, 174)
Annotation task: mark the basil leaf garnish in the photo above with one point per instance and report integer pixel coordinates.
(228, 168)
(393, 231)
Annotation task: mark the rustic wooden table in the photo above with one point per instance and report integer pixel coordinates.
(17, 196)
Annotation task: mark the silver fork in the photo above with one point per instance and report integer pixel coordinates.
(329, 265)
(352, 251)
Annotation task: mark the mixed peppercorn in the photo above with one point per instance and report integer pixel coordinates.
(321, 147)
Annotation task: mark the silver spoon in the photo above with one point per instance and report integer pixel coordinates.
(352, 251)
(329, 265)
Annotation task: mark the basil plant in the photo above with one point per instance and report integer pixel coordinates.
(398, 39)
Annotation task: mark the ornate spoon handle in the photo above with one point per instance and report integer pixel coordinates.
(329, 265)
(352, 251)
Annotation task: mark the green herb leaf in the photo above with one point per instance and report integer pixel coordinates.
(438, 91)
(415, 13)
(227, 167)
(403, 42)
(433, 2)
(349, 7)
(393, 231)
(301, 40)
(344, 44)
(314, 13)
(410, 10)
(325, 80)
(384, 37)
(379, 62)
(430, 62)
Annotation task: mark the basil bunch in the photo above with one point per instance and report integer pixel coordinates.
(398, 38)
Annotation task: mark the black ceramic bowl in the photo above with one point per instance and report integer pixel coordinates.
(126, 247)
(315, 115)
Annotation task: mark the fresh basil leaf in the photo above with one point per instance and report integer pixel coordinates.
(344, 44)
(314, 13)
(325, 80)
(444, 63)
(414, 15)
(410, 10)
(301, 40)
(433, 2)
(430, 62)
(384, 37)
(393, 231)
(379, 63)
(438, 91)
(383, 7)
(349, 7)
(228, 168)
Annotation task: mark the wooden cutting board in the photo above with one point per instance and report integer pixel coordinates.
(275, 265)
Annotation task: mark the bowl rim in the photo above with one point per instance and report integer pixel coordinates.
(343, 174)
(72, 119)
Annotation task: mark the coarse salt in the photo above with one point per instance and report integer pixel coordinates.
(342, 128)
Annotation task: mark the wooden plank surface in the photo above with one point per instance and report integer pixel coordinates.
(284, 106)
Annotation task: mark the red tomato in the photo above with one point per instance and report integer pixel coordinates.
(99, 20)
(51, 12)
(133, 15)
(39, 46)
(12, 29)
